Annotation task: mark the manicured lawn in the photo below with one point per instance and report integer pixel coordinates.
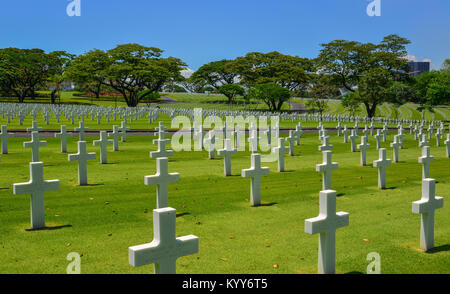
(102, 220)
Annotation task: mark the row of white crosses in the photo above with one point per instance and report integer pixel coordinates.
(165, 248)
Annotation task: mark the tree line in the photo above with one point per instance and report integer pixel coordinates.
(358, 73)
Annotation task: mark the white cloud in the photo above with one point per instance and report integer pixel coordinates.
(187, 73)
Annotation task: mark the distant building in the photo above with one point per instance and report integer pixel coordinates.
(416, 68)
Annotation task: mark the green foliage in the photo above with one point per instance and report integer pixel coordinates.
(22, 71)
(86, 71)
(272, 94)
(366, 68)
(214, 74)
(290, 72)
(433, 88)
(230, 91)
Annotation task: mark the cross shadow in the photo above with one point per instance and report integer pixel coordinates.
(110, 163)
(49, 228)
(4, 188)
(92, 185)
(354, 273)
(268, 204)
(182, 214)
(288, 171)
(340, 194)
(439, 249)
(390, 188)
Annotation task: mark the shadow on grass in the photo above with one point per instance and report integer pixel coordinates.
(268, 204)
(439, 249)
(354, 273)
(182, 214)
(390, 188)
(340, 194)
(91, 185)
(49, 228)
(4, 188)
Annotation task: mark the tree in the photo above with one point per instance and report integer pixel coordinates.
(400, 93)
(58, 61)
(356, 67)
(350, 102)
(272, 94)
(320, 92)
(433, 88)
(23, 70)
(134, 68)
(446, 64)
(290, 72)
(86, 71)
(215, 74)
(230, 91)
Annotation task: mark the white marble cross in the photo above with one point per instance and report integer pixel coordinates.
(395, 145)
(298, 132)
(426, 207)
(63, 135)
(210, 142)
(161, 152)
(339, 128)
(326, 225)
(161, 179)
(253, 142)
(103, 143)
(385, 132)
(37, 187)
(161, 131)
(227, 152)
(165, 248)
(81, 130)
(353, 138)
(382, 163)
(123, 130)
(115, 134)
(447, 144)
(82, 157)
(346, 132)
(5, 135)
(423, 141)
(35, 144)
(378, 139)
(326, 167)
(34, 127)
(279, 151)
(325, 144)
(363, 147)
(291, 140)
(255, 173)
(425, 160)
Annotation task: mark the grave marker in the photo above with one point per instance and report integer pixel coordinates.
(37, 187)
(165, 248)
(255, 173)
(426, 207)
(326, 225)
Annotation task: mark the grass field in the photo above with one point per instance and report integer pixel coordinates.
(102, 220)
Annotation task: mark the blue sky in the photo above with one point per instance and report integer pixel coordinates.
(200, 31)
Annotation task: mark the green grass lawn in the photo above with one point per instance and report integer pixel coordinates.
(102, 220)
